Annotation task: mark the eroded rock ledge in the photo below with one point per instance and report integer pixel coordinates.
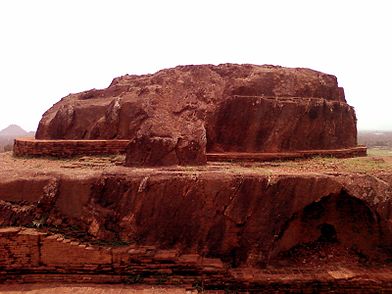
(242, 219)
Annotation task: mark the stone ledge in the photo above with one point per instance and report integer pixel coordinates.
(267, 156)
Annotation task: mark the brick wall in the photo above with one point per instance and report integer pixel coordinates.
(27, 255)
(18, 250)
(68, 148)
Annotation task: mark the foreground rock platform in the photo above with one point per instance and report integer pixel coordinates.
(50, 288)
(309, 225)
(178, 115)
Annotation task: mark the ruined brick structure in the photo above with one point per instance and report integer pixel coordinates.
(167, 217)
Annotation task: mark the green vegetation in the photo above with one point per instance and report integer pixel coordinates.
(133, 279)
(199, 286)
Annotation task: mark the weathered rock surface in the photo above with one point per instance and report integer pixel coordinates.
(254, 124)
(245, 220)
(193, 109)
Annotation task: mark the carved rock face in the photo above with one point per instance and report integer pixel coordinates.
(156, 151)
(181, 113)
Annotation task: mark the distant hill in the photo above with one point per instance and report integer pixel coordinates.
(13, 131)
(8, 135)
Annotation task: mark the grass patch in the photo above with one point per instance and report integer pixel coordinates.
(379, 152)
(366, 165)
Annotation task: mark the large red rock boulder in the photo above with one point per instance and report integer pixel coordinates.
(175, 115)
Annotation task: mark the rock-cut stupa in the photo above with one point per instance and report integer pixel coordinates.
(178, 115)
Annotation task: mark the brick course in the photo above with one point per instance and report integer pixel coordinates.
(68, 148)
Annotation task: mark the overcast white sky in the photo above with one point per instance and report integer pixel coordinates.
(51, 48)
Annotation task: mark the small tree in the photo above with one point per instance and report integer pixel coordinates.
(8, 147)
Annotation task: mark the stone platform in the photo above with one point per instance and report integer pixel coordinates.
(226, 226)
